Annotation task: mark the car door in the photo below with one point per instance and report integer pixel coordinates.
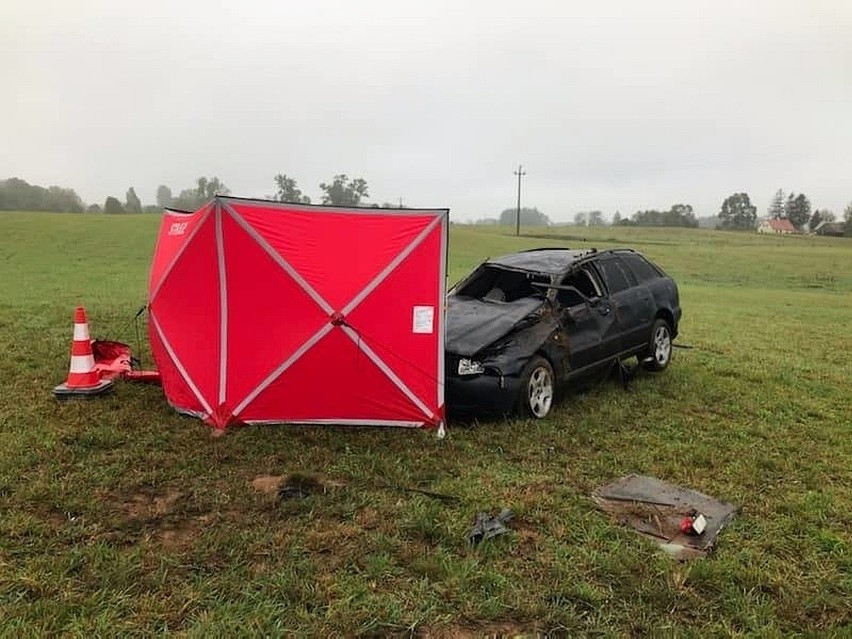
(627, 301)
(587, 317)
(646, 311)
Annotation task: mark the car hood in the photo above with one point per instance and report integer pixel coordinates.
(473, 324)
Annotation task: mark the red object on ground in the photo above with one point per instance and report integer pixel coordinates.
(270, 312)
(83, 378)
(112, 359)
(143, 377)
(693, 524)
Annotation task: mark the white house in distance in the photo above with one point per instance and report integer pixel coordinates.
(777, 225)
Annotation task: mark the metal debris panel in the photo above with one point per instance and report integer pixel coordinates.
(656, 509)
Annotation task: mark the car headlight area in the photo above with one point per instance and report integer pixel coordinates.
(470, 367)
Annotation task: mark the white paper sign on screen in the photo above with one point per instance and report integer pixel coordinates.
(424, 317)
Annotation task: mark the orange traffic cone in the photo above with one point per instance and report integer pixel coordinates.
(83, 380)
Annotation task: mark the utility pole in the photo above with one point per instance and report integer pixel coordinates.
(520, 173)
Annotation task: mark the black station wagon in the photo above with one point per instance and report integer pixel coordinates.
(522, 324)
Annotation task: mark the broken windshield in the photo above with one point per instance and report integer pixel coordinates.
(493, 283)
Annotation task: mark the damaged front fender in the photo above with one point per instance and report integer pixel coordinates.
(509, 355)
(496, 390)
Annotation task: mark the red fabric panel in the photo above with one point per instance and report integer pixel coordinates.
(333, 380)
(337, 253)
(175, 389)
(269, 315)
(385, 319)
(187, 309)
(175, 230)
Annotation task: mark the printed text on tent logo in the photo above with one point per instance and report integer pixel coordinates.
(177, 228)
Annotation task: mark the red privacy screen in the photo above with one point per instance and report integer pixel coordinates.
(263, 312)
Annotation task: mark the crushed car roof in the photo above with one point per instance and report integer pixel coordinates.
(544, 260)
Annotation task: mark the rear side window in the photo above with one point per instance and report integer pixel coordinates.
(616, 275)
(640, 267)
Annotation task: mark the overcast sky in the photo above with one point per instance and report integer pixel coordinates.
(608, 105)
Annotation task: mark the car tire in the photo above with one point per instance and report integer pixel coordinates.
(659, 351)
(538, 389)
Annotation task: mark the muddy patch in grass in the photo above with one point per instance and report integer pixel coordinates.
(268, 484)
(368, 518)
(181, 534)
(159, 517)
(176, 538)
(146, 505)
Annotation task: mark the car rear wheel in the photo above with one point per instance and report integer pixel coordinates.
(537, 389)
(659, 352)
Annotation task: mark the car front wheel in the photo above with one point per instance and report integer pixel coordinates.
(659, 352)
(537, 388)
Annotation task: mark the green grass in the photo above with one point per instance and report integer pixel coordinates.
(121, 517)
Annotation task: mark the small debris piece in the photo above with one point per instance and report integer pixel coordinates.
(447, 499)
(661, 511)
(487, 526)
(693, 524)
(299, 487)
(625, 373)
(292, 492)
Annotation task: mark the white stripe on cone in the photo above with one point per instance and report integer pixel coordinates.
(82, 363)
(81, 332)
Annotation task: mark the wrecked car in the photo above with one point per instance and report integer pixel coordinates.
(521, 325)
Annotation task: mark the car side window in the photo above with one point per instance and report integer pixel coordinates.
(642, 270)
(584, 282)
(616, 275)
(495, 284)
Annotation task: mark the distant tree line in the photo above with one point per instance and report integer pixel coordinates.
(194, 197)
(529, 217)
(738, 213)
(340, 191)
(678, 215)
(589, 218)
(16, 194)
(19, 195)
(188, 200)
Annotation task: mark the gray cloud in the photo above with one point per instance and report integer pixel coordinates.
(625, 105)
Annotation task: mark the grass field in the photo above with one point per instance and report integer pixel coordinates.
(120, 517)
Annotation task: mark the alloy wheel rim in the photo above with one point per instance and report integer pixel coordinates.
(662, 345)
(540, 391)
